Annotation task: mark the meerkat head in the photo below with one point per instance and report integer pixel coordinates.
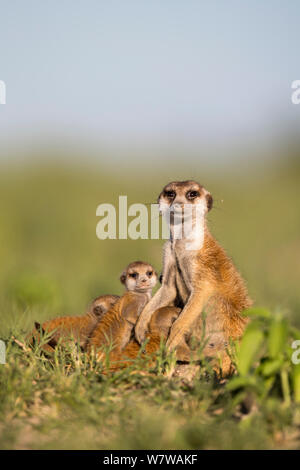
(176, 195)
(102, 304)
(139, 277)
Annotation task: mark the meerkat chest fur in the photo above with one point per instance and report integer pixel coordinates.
(186, 250)
(184, 264)
(189, 262)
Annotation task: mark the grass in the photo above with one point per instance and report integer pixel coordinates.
(68, 403)
(53, 264)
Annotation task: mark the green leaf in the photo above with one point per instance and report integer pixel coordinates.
(241, 382)
(277, 338)
(294, 332)
(296, 382)
(257, 312)
(250, 346)
(271, 367)
(268, 384)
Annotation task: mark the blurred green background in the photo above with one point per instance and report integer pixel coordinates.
(52, 263)
(118, 98)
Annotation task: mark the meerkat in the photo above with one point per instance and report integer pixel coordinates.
(159, 328)
(78, 328)
(117, 325)
(138, 276)
(115, 328)
(101, 304)
(197, 276)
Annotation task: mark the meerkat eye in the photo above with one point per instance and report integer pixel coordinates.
(133, 275)
(192, 194)
(170, 194)
(149, 273)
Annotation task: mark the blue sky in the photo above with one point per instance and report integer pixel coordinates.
(159, 72)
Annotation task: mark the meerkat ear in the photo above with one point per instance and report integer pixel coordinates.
(123, 278)
(161, 278)
(39, 327)
(209, 201)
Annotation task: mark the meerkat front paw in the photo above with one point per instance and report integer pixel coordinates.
(140, 331)
(176, 334)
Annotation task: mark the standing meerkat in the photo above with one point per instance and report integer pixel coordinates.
(197, 275)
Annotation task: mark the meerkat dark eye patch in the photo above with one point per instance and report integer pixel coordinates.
(149, 273)
(170, 194)
(133, 275)
(192, 194)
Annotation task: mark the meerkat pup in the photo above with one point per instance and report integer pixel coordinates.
(116, 327)
(101, 305)
(137, 276)
(159, 328)
(77, 328)
(197, 275)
